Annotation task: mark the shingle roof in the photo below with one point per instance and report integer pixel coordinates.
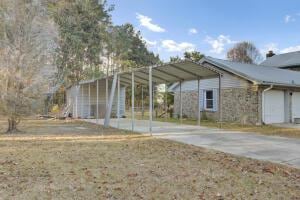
(283, 60)
(258, 73)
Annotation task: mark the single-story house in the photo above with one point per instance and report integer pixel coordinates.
(81, 100)
(227, 91)
(251, 94)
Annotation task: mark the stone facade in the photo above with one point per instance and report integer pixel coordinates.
(189, 104)
(242, 105)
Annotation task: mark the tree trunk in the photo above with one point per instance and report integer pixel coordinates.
(12, 125)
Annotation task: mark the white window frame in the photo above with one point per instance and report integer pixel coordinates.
(205, 100)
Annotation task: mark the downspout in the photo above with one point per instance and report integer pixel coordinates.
(263, 102)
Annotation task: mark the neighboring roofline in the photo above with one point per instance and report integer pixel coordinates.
(286, 53)
(288, 66)
(281, 66)
(173, 87)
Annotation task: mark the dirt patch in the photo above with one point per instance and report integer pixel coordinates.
(55, 160)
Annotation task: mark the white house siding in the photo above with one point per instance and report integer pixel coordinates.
(295, 105)
(228, 81)
(86, 108)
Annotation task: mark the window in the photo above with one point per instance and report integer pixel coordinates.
(209, 99)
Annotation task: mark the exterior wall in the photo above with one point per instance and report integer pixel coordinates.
(189, 104)
(241, 105)
(83, 106)
(228, 81)
(241, 102)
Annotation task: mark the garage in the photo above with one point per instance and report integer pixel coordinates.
(296, 105)
(274, 107)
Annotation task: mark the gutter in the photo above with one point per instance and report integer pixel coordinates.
(263, 102)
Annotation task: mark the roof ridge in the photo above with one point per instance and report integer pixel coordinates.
(258, 65)
(236, 62)
(258, 73)
(285, 53)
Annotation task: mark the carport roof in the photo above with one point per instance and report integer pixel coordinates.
(184, 70)
(166, 73)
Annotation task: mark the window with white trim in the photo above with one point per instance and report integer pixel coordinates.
(209, 100)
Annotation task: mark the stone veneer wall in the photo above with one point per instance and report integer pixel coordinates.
(241, 105)
(189, 104)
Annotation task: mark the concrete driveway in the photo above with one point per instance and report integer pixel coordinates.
(271, 148)
(288, 125)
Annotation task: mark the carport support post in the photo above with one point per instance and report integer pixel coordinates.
(106, 92)
(199, 106)
(142, 102)
(220, 101)
(150, 100)
(132, 101)
(166, 99)
(89, 100)
(82, 101)
(153, 102)
(118, 101)
(97, 104)
(180, 100)
(76, 101)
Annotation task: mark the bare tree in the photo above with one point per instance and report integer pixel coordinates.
(25, 55)
(244, 52)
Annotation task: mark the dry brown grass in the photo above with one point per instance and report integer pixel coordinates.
(58, 160)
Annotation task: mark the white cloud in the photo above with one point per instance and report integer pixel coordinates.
(290, 49)
(218, 44)
(269, 47)
(274, 48)
(289, 18)
(193, 31)
(150, 43)
(147, 22)
(172, 46)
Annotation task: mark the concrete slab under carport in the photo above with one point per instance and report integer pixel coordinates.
(270, 148)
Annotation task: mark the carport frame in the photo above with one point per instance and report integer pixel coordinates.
(161, 75)
(180, 79)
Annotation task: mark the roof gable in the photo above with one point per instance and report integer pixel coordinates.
(257, 73)
(285, 60)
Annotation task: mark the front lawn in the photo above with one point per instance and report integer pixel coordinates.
(76, 160)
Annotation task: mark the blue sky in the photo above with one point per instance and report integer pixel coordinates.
(211, 27)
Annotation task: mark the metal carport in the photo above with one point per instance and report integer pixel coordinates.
(160, 74)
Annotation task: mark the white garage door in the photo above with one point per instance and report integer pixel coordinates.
(274, 106)
(296, 105)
